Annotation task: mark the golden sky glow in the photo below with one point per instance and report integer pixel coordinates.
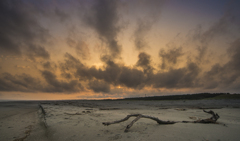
(94, 49)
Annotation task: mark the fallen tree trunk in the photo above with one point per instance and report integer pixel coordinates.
(212, 119)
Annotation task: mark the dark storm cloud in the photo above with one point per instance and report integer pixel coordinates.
(99, 86)
(103, 18)
(170, 57)
(23, 82)
(186, 77)
(110, 72)
(132, 78)
(60, 86)
(69, 66)
(144, 61)
(99, 80)
(26, 83)
(34, 52)
(18, 27)
(114, 74)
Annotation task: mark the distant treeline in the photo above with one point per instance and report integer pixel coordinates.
(189, 97)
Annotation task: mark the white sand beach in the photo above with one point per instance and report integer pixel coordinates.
(82, 121)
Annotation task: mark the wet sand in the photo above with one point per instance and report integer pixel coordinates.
(82, 120)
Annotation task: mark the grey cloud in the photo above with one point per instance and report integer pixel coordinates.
(225, 74)
(186, 77)
(72, 62)
(34, 52)
(150, 13)
(18, 27)
(111, 72)
(203, 38)
(99, 86)
(143, 27)
(144, 61)
(60, 86)
(61, 15)
(132, 78)
(154, 8)
(80, 46)
(26, 83)
(150, 9)
(49, 65)
(114, 74)
(234, 53)
(23, 82)
(202, 51)
(170, 57)
(71, 42)
(219, 28)
(69, 66)
(103, 18)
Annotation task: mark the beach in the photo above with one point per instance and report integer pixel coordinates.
(81, 120)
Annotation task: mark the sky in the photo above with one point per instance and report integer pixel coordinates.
(97, 49)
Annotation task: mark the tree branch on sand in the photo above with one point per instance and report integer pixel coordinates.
(212, 119)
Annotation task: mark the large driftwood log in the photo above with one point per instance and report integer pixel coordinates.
(212, 119)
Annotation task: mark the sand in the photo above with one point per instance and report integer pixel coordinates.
(82, 121)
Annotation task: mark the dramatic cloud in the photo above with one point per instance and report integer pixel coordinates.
(144, 61)
(60, 86)
(146, 20)
(103, 18)
(18, 27)
(170, 57)
(203, 38)
(49, 66)
(132, 78)
(119, 48)
(99, 86)
(35, 52)
(69, 66)
(177, 78)
(227, 74)
(140, 35)
(81, 48)
(23, 83)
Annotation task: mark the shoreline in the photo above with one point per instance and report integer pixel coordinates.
(82, 120)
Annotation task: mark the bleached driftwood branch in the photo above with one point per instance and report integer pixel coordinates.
(213, 119)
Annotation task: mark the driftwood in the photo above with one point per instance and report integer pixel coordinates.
(212, 119)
